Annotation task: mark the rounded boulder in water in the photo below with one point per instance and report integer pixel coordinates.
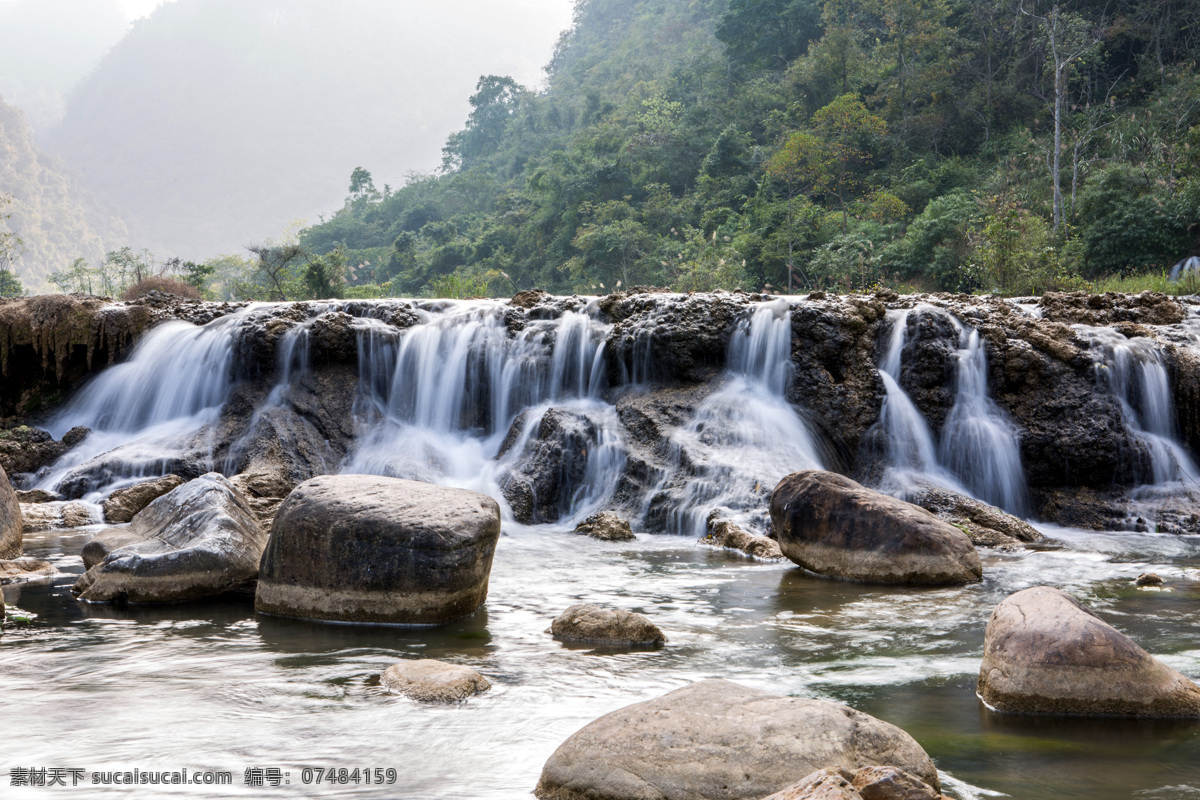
(12, 526)
(831, 525)
(720, 740)
(1045, 652)
(365, 548)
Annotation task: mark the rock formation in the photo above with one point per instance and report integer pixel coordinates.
(584, 622)
(433, 681)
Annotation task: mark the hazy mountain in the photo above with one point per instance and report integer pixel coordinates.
(56, 218)
(47, 46)
(215, 123)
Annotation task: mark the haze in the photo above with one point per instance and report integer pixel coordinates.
(211, 124)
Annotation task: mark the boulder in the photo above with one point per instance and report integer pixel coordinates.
(123, 504)
(551, 467)
(199, 540)
(721, 741)
(56, 514)
(1044, 652)
(434, 681)
(36, 496)
(833, 526)
(607, 527)
(583, 622)
(99, 546)
(984, 524)
(12, 525)
(867, 783)
(723, 533)
(824, 784)
(365, 548)
(25, 569)
(1151, 579)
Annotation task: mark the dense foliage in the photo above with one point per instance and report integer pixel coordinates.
(1016, 145)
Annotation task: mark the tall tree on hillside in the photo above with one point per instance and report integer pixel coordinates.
(769, 33)
(492, 107)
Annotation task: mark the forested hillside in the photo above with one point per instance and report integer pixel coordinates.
(46, 219)
(1012, 145)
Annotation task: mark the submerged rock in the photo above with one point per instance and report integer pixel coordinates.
(123, 504)
(199, 540)
(723, 533)
(25, 569)
(12, 525)
(833, 526)
(607, 527)
(1044, 652)
(364, 548)
(721, 741)
(986, 525)
(434, 681)
(584, 622)
(1148, 579)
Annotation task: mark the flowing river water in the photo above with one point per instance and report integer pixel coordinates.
(213, 686)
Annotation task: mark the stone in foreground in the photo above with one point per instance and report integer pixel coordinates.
(364, 548)
(1044, 652)
(607, 527)
(723, 533)
(123, 504)
(831, 525)
(824, 784)
(25, 569)
(199, 540)
(583, 622)
(717, 740)
(433, 681)
(12, 526)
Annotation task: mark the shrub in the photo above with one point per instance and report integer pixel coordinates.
(161, 283)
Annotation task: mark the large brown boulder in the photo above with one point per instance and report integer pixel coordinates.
(365, 548)
(717, 740)
(1044, 652)
(607, 527)
(197, 541)
(984, 524)
(831, 525)
(123, 504)
(12, 526)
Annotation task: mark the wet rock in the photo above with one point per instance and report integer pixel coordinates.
(1148, 579)
(434, 681)
(607, 527)
(985, 525)
(123, 504)
(1044, 652)
(723, 533)
(1147, 308)
(528, 298)
(552, 467)
(75, 435)
(12, 524)
(264, 491)
(33, 496)
(583, 622)
(57, 515)
(833, 526)
(26, 450)
(49, 344)
(25, 569)
(717, 739)
(892, 783)
(362, 548)
(99, 546)
(199, 540)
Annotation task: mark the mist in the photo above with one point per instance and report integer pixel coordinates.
(211, 124)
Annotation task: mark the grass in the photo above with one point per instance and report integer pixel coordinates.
(1149, 282)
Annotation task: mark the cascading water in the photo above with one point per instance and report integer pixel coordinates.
(746, 436)
(979, 452)
(147, 413)
(1132, 370)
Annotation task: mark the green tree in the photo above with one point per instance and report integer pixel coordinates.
(492, 107)
(768, 33)
(848, 131)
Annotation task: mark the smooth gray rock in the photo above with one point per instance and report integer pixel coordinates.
(583, 622)
(364, 548)
(433, 681)
(831, 525)
(717, 740)
(123, 504)
(199, 540)
(12, 525)
(1045, 652)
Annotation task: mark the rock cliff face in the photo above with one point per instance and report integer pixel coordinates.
(309, 382)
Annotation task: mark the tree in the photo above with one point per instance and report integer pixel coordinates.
(768, 33)
(11, 245)
(76, 278)
(362, 186)
(848, 131)
(275, 266)
(492, 106)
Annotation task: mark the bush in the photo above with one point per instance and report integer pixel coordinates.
(161, 283)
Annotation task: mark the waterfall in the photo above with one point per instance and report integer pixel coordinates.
(746, 436)
(979, 452)
(146, 412)
(1183, 267)
(1132, 370)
